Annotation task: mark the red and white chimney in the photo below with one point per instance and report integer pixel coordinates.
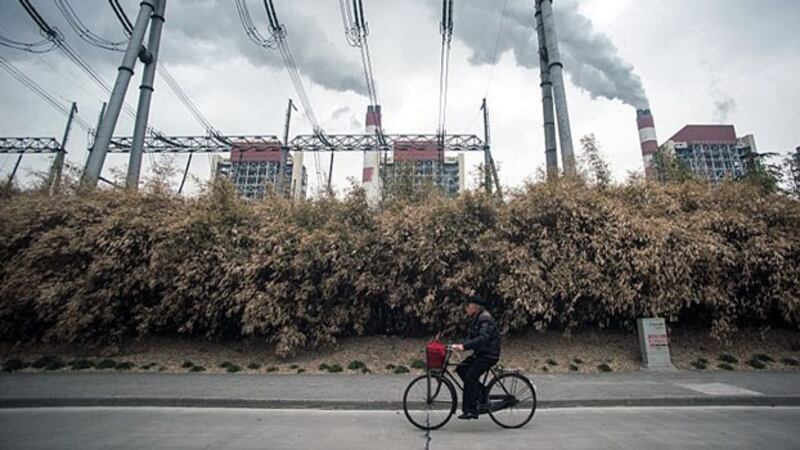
(370, 178)
(647, 138)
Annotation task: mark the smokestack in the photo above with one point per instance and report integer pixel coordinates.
(370, 177)
(647, 137)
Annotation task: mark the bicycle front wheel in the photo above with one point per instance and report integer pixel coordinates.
(429, 402)
(511, 400)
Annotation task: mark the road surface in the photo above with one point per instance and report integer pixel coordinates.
(569, 428)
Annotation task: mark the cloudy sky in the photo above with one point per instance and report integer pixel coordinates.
(695, 61)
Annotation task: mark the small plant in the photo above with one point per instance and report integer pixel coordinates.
(334, 368)
(301, 370)
(390, 367)
(13, 365)
(789, 361)
(106, 364)
(401, 369)
(81, 364)
(294, 366)
(124, 366)
(552, 362)
(356, 365)
(728, 358)
(324, 367)
(699, 365)
(418, 364)
(604, 368)
(574, 367)
(725, 366)
(48, 363)
(577, 361)
(254, 366)
(763, 358)
(197, 369)
(232, 368)
(272, 369)
(187, 365)
(757, 364)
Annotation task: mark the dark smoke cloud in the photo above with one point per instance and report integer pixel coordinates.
(591, 59)
(199, 32)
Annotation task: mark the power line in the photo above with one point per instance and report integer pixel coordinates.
(74, 21)
(41, 92)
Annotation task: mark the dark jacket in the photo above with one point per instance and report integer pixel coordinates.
(484, 337)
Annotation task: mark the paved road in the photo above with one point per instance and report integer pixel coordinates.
(596, 428)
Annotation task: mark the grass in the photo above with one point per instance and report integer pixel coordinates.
(401, 369)
(757, 364)
(187, 365)
(726, 366)
(418, 364)
(356, 365)
(13, 365)
(124, 366)
(728, 358)
(604, 368)
(789, 361)
(81, 364)
(106, 364)
(197, 369)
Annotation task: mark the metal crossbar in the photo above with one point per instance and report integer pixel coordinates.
(18, 145)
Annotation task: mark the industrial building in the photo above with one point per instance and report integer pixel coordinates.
(410, 162)
(255, 169)
(713, 152)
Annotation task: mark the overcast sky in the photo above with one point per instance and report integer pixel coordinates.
(695, 61)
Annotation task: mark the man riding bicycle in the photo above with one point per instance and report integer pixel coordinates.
(484, 341)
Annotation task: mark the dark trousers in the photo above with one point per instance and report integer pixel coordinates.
(470, 371)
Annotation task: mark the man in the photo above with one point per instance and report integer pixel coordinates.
(484, 341)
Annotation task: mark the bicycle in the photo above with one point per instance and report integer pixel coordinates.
(509, 398)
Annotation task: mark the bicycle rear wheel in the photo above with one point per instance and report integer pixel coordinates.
(512, 400)
(429, 402)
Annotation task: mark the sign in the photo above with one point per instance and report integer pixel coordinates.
(654, 343)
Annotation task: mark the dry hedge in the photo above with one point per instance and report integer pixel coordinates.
(106, 265)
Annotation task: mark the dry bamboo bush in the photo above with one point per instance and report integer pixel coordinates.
(107, 266)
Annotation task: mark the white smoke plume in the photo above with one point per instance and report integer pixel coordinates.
(590, 58)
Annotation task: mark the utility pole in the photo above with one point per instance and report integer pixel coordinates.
(150, 59)
(551, 152)
(556, 69)
(185, 173)
(94, 165)
(94, 143)
(487, 157)
(10, 181)
(57, 169)
(281, 179)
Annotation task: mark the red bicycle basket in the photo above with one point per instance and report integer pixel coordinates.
(435, 353)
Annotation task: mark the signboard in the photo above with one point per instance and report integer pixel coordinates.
(654, 343)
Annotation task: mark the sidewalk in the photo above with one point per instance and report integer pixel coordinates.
(385, 392)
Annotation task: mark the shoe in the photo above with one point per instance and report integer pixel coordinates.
(468, 416)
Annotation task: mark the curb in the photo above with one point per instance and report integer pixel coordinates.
(381, 405)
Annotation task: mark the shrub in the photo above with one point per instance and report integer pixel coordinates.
(48, 363)
(728, 358)
(700, 365)
(573, 367)
(197, 369)
(124, 366)
(552, 362)
(81, 364)
(13, 365)
(757, 364)
(294, 366)
(106, 364)
(334, 368)
(272, 369)
(763, 358)
(187, 365)
(789, 361)
(390, 367)
(577, 361)
(254, 366)
(356, 365)
(726, 366)
(604, 367)
(401, 369)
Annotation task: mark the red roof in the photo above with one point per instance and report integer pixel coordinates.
(706, 134)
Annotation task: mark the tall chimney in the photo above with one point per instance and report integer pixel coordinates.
(647, 138)
(370, 178)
